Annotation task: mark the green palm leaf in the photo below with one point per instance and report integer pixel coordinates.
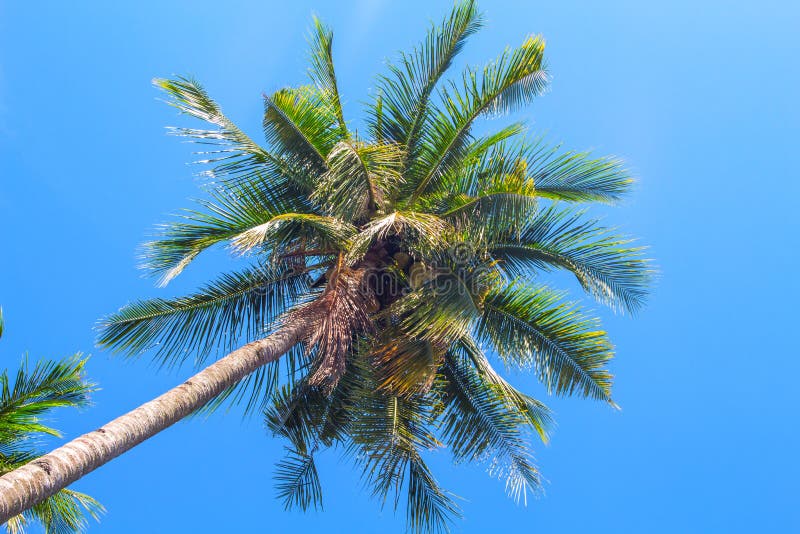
(234, 308)
(322, 71)
(605, 264)
(301, 126)
(445, 306)
(429, 507)
(298, 481)
(531, 326)
(422, 232)
(234, 155)
(65, 512)
(484, 420)
(230, 213)
(36, 390)
(501, 200)
(387, 439)
(288, 228)
(536, 415)
(405, 94)
(515, 78)
(576, 176)
(359, 180)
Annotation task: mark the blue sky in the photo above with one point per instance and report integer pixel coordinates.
(700, 98)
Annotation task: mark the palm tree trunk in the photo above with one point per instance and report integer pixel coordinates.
(43, 477)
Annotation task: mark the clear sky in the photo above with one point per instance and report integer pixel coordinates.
(701, 98)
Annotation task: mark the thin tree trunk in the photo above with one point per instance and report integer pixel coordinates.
(43, 477)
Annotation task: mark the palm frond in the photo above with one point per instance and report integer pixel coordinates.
(439, 311)
(606, 264)
(285, 229)
(557, 174)
(298, 481)
(446, 301)
(65, 512)
(488, 190)
(576, 176)
(401, 108)
(322, 71)
(485, 421)
(233, 154)
(537, 416)
(231, 212)
(301, 126)
(404, 366)
(422, 232)
(359, 179)
(296, 413)
(528, 326)
(234, 308)
(498, 154)
(188, 96)
(340, 314)
(515, 78)
(475, 153)
(36, 390)
(429, 508)
(16, 524)
(308, 417)
(387, 439)
(390, 434)
(497, 200)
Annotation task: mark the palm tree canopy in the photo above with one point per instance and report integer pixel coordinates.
(25, 397)
(416, 249)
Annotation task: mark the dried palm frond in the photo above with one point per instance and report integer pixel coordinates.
(337, 317)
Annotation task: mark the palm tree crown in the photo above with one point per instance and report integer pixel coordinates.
(25, 397)
(414, 249)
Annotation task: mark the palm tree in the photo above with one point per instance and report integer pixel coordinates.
(391, 266)
(32, 393)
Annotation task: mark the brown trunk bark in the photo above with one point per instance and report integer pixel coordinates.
(43, 477)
